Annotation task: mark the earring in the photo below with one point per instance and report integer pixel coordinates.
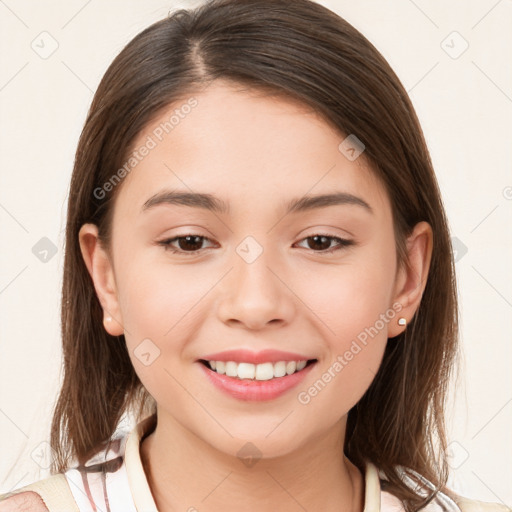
(108, 319)
(402, 321)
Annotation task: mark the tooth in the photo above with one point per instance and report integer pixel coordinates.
(280, 369)
(231, 369)
(246, 371)
(291, 366)
(264, 371)
(301, 365)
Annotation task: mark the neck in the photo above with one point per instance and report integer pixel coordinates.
(186, 473)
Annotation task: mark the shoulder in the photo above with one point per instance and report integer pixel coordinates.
(469, 505)
(51, 493)
(27, 501)
(442, 503)
(447, 500)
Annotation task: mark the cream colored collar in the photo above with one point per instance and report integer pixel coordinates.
(141, 491)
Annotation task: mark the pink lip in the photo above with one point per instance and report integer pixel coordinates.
(246, 356)
(255, 390)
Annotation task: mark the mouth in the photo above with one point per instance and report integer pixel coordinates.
(255, 382)
(265, 371)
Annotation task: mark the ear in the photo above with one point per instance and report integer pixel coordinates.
(100, 268)
(411, 280)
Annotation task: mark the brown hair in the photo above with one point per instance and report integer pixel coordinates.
(305, 51)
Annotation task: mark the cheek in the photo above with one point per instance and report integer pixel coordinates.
(351, 307)
(162, 303)
(350, 297)
(156, 291)
(340, 382)
(159, 305)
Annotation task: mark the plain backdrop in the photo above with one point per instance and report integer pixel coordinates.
(455, 60)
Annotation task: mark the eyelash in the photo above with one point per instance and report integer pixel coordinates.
(342, 244)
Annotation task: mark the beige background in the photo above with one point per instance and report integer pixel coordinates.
(463, 99)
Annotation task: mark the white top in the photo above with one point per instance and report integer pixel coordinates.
(114, 480)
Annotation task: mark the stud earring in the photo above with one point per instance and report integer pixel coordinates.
(108, 319)
(402, 321)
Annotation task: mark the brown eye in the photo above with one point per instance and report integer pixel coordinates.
(191, 244)
(322, 243)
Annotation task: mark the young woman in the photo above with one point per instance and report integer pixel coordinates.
(258, 267)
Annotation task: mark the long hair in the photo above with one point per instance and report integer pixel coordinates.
(302, 50)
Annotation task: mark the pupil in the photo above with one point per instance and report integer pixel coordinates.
(187, 240)
(325, 245)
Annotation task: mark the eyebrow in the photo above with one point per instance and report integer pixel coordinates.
(217, 205)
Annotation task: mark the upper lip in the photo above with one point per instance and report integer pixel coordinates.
(247, 356)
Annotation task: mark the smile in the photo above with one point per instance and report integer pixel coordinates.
(256, 382)
(262, 371)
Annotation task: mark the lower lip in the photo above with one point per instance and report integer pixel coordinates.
(256, 390)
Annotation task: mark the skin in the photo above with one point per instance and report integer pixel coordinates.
(256, 152)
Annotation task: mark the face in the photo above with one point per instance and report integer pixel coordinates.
(318, 283)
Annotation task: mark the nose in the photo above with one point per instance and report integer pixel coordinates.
(254, 295)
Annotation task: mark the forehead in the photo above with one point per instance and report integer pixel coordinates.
(245, 146)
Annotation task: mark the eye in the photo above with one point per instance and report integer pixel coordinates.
(190, 244)
(323, 241)
(187, 244)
